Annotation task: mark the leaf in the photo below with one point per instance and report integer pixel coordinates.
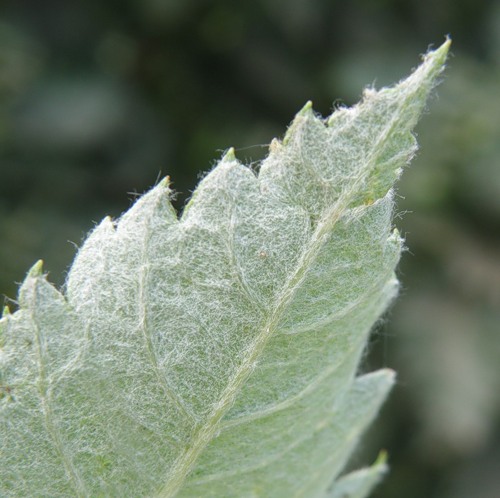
(216, 354)
(359, 484)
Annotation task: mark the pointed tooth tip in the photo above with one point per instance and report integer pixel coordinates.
(110, 223)
(382, 458)
(229, 156)
(36, 270)
(6, 311)
(388, 374)
(445, 46)
(274, 145)
(307, 110)
(165, 182)
(439, 54)
(304, 113)
(391, 374)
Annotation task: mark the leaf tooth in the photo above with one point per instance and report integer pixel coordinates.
(359, 483)
(153, 205)
(35, 274)
(274, 146)
(107, 224)
(165, 182)
(36, 291)
(307, 110)
(305, 114)
(229, 156)
(36, 270)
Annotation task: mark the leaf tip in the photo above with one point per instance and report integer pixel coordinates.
(434, 63)
(439, 55)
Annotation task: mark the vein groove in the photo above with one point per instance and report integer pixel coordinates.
(45, 400)
(146, 334)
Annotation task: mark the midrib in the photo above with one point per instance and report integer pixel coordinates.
(185, 463)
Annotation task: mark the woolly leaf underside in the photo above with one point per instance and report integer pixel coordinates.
(216, 354)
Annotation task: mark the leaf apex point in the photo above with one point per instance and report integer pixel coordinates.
(439, 55)
(279, 268)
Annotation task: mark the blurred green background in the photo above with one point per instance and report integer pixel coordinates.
(98, 99)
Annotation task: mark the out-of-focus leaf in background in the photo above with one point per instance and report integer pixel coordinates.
(452, 316)
(97, 98)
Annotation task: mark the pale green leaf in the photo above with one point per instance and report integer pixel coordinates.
(359, 484)
(216, 354)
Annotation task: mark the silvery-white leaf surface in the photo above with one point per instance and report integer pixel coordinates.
(215, 354)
